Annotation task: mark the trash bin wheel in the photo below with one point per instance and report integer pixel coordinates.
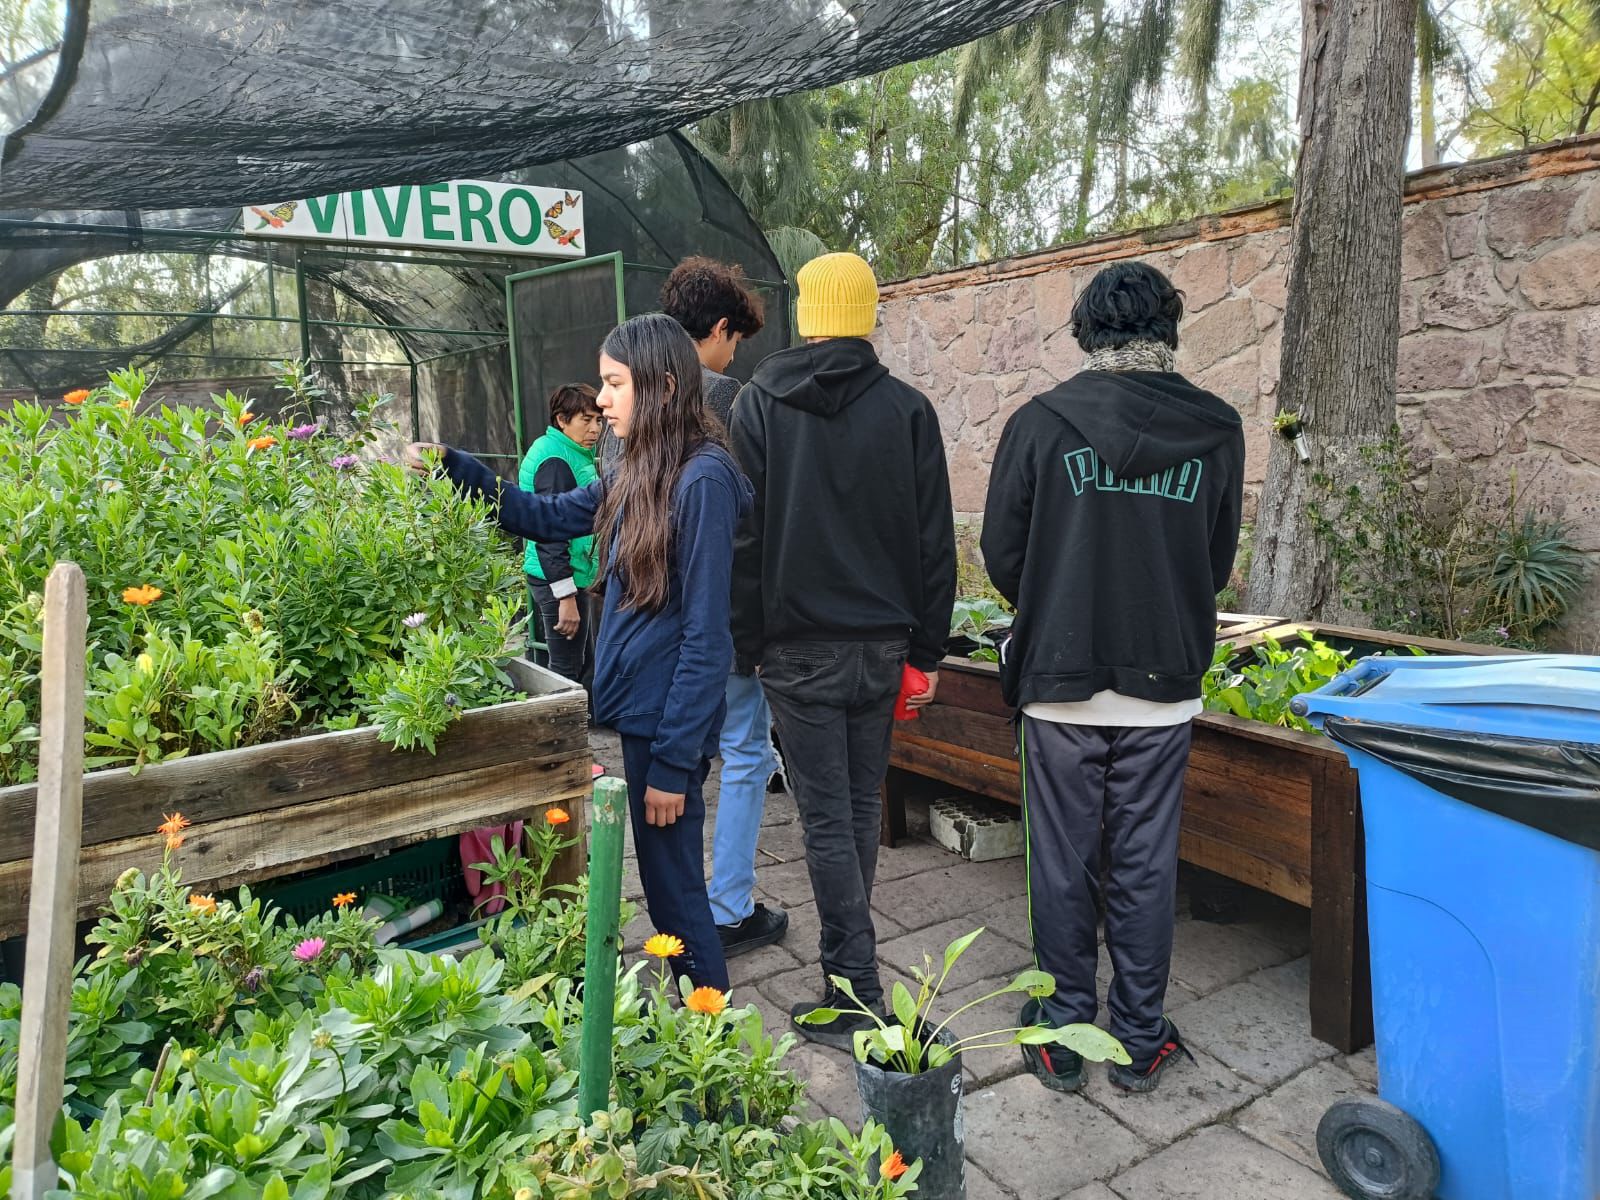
(1375, 1151)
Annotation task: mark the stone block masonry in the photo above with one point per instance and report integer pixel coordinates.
(1499, 371)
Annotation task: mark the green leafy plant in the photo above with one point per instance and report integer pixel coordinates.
(247, 579)
(1261, 690)
(912, 1042)
(980, 620)
(1448, 554)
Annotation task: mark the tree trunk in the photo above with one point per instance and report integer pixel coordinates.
(1341, 325)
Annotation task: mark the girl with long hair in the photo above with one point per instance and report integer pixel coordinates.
(663, 525)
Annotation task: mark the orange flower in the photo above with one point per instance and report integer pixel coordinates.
(202, 904)
(174, 841)
(894, 1166)
(142, 595)
(125, 404)
(264, 442)
(174, 823)
(344, 899)
(245, 418)
(557, 816)
(706, 1000)
(76, 397)
(663, 945)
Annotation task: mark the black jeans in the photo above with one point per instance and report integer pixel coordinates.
(570, 657)
(833, 703)
(1083, 787)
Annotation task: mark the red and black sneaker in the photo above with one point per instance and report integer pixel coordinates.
(1144, 1077)
(1059, 1069)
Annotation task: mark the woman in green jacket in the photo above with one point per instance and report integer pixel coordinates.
(559, 573)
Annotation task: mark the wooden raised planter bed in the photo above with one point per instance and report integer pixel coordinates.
(1270, 807)
(272, 810)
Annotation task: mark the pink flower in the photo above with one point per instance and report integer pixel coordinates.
(343, 462)
(309, 949)
(301, 432)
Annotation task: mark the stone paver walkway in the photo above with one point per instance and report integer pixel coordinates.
(1237, 1124)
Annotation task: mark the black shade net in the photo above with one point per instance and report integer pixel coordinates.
(156, 104)
(444, 317)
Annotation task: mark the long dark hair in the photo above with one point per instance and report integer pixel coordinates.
(669, 423)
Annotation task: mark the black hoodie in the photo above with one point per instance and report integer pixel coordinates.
(1111, 524)
(852, 537)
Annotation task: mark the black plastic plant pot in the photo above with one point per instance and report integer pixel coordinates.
(923, 1116)
(1294, 432)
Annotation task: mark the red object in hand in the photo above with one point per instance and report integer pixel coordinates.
(912, 683)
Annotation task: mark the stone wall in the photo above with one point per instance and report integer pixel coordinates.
(1500, 320)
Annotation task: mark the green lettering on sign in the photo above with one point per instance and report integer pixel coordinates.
(324, 211)
(509, 227)
(475, 204)
(395, 221)
(358, 213)
(432, 209)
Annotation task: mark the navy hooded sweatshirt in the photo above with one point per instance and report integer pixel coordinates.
(660, 674)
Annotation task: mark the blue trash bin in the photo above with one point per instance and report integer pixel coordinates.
(1480, 792)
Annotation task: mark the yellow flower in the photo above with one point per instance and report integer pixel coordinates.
(264, 442)
(894, 1166)
(175, 823)
(344, 899)
(663, 945)
(142, 595)
(706, 1000)
(76, 397)
(202, 904)
(557, 816)
(146, 663)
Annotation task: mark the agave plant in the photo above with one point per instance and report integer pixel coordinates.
(1533, 573)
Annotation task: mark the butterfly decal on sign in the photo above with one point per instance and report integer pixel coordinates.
(560, 206)
(563, 237)
(277, 217)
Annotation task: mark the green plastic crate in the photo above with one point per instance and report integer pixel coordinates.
(426, 871)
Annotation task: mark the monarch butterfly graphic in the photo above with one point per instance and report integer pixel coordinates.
(563, 237)
(556, 209)
(277, 217)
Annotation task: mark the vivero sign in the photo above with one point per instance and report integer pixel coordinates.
(465, 214)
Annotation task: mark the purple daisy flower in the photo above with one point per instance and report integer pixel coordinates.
(343, 462)
(301, 432)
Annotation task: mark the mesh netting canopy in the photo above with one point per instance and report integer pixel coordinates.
(650, 204)
(155, 104)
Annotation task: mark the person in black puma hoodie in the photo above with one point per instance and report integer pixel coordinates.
(1111, 523)
(844, 573)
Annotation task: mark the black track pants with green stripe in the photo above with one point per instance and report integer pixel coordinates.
(1083, 787)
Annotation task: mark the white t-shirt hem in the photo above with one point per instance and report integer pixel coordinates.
(1114, 709)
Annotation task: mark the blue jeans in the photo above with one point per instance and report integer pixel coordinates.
(748, 762)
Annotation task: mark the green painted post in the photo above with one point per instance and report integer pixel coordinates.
(604, 942)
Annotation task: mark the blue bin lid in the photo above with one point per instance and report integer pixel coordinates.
(1519, 737)
(1552, 697)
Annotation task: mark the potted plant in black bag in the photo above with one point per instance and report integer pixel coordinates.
(908, 1066)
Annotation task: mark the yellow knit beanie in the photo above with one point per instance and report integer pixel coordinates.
(838, 297)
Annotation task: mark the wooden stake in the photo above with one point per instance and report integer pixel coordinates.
(52, 903)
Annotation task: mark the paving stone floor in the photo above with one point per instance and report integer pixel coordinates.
(1239, 1123)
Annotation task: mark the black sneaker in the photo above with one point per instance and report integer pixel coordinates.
(839, 1032)
(1059, 1069)
(761, 928)
(1144, 1077)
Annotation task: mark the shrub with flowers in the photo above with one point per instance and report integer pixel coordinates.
(247, 580)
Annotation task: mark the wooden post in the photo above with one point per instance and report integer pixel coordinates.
(52, 903)
(603, 943)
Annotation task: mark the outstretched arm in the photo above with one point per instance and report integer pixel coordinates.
(523, 514)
